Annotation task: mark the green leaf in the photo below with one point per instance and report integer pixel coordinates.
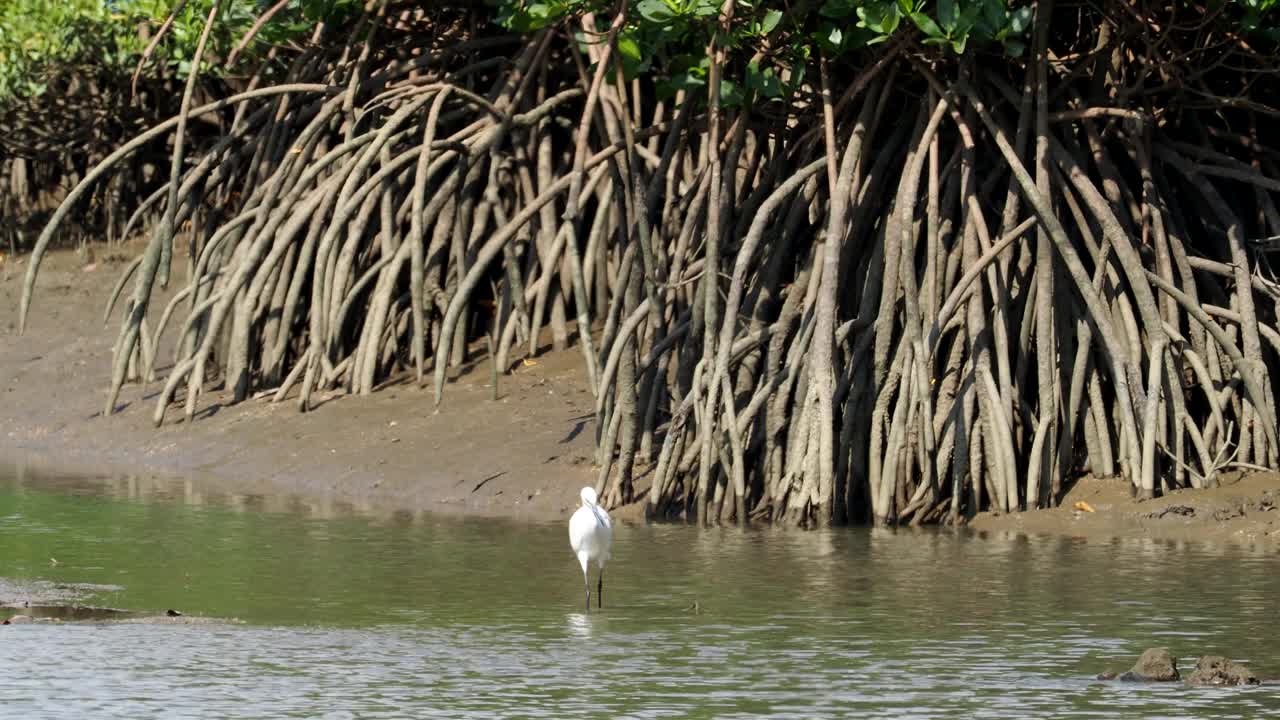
(705, 8)
(688, 79)
(1021, 19)
(764, 82)
(890, 24)
(994, 14)
(967, 20)
(828, 37)
(771, 20)
(797, 74)
(1014, 48)
(540, 15)
(857, 37)
(959, 43)
(927, 26)
(947, 15)
(629, 48)
(731, 94)
(880, 16)
(655, 11)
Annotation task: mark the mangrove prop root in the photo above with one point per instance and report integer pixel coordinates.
(790, 309)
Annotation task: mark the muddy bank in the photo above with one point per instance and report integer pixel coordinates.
(16, 594)
(41, 601)
(24, 602)
(525, 455)
(74, 615)
(1244, 509)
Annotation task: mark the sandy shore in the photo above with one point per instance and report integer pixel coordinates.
(1243, 510)
(524, 455)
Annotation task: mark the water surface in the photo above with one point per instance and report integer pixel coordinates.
(351, 614)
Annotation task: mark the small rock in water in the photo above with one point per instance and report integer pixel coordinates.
(1155, 665)
(1217, 670)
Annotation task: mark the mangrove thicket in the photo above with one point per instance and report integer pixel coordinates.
(825, 261)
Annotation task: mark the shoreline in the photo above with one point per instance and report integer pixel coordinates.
(1243, 511)
(523, 456)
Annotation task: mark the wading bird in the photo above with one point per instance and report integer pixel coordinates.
(591, 536)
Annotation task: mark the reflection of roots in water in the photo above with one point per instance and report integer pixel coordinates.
(194, 493)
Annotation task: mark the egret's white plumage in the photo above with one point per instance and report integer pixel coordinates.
(591, 537)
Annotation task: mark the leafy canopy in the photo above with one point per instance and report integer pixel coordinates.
(779, 36)
(666, 38)
(39, 37)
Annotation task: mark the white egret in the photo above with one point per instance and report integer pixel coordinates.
(591, 537)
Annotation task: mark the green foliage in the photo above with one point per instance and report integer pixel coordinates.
(36, 32)
(666, 38)
(672, 35)
(1259, 17)
(38, 37)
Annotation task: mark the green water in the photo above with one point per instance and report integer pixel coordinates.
(348, 613)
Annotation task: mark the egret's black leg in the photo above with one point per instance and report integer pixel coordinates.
(586, 586)
(600, 590)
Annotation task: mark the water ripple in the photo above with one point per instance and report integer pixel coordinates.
(346, 617)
